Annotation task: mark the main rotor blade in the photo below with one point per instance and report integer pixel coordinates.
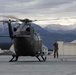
(9, 16)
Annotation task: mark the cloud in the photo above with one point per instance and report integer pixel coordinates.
(38, 8)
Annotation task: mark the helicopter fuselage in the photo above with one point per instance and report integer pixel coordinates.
(26, 41)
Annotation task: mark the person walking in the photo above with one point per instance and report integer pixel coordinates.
(55, 50)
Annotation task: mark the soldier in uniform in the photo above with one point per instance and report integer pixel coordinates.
(55, 50)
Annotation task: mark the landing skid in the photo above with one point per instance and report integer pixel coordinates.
(39, 57)
(14, 57)
(42, 57)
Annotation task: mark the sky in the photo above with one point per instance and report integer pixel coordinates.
(51, 11)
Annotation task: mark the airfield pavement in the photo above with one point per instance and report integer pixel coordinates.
(64, 65)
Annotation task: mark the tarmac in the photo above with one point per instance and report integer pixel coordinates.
(64, 65)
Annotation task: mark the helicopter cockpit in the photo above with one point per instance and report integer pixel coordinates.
(26, 29)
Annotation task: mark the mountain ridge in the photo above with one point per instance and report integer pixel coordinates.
(57, 28)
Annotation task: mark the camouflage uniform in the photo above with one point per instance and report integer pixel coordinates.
(55, 50)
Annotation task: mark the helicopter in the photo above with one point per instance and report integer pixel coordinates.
(26, 41)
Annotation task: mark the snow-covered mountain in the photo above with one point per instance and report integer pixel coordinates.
(57, 28)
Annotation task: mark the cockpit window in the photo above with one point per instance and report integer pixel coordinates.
(28, 29)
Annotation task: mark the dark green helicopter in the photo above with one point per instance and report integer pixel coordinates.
(27, 42)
